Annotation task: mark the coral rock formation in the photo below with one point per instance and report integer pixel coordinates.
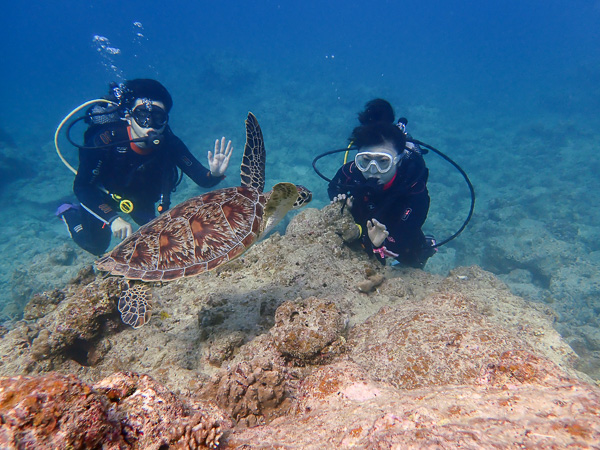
(55, 411)
(305, 328)
(126, 410)
(437, 341)
(367, 356)
(251, 392)
(340, 406)
(154, 417)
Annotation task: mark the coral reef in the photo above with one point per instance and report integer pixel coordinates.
(251, 392)
(440, 340)
(126, 410)
(305, 329)
(153, 417)
(340, 406)
(55, 411)
(73, 320)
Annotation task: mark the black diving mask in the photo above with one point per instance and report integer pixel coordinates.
(148, 115)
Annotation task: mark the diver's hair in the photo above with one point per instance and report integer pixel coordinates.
(377, 133)
(377, 110)
(148, 88)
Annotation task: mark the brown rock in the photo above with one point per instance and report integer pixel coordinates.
(42, 304)
(340, 406)
(55, 411)
(69, 323)
(126, 410)
(371, 283)
(305, 328)
(440, 340)
(152, 416)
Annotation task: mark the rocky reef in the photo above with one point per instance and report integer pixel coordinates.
(304, 342)
(126, 410)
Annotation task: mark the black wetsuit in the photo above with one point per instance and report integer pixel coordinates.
(142, 179)
(401, 205)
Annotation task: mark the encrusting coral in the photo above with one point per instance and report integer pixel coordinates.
(305, 328)
(126, 410)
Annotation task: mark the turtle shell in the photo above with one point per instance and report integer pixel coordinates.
(195, 236)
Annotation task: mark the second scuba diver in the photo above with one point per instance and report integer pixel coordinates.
(385, 188)
(130, 161)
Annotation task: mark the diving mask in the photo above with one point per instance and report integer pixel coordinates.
(383, 162)
(147, 115)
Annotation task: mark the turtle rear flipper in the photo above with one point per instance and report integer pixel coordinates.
(281, 201)
(135, 306)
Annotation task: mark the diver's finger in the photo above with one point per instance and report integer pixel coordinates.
(379, 224)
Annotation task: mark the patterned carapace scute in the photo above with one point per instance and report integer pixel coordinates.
(195, 236)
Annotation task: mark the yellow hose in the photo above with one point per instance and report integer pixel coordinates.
(347, 151)
(66, 119)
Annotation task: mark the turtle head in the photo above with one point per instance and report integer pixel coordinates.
(304, 197)
(282, 199)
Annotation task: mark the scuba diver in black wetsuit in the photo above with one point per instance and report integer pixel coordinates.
(130, 161)
(385, 188)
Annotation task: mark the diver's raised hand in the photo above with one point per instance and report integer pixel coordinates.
(219, 160)
(343, 197)
(377, 232)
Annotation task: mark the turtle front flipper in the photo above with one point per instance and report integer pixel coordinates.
(253, 161)
(281, 200)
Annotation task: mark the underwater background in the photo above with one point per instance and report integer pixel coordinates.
(509, 90)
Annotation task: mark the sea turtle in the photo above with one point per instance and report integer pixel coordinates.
(207, 231)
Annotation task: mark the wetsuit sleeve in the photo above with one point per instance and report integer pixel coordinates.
(92, 166)
(191, 166)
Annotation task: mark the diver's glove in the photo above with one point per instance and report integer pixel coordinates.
(120, 228)
(219, 161)
(377, 232)
(341, 197)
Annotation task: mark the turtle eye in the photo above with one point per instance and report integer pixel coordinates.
(304, 197)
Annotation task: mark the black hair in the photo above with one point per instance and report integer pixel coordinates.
(377, 133)
(148, 88)
(377, 110)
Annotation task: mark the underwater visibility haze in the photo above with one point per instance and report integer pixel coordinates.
(509, 90)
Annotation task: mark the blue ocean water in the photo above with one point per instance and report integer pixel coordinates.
(507, 89)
